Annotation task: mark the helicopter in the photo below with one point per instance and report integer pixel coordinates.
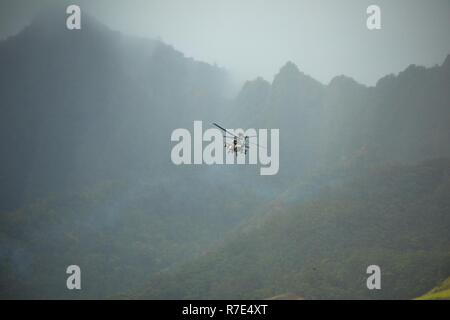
(236, 143)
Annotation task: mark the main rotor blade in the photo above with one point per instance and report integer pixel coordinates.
(224, 130)
(232, 138)
(255, 144)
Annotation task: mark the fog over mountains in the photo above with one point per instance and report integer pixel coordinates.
(86, 176)
(83, 106)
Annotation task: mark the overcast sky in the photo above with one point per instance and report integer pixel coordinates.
(253, 38)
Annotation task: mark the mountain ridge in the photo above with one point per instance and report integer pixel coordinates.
(395, 217)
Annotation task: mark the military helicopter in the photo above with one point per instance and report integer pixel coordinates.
(238, 144)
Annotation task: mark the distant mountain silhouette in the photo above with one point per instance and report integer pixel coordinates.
(92, 104)
(404, 118)
(85, 174)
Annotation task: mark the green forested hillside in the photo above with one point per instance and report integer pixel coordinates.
(441, 292)
(396, 217)
(119, 233)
